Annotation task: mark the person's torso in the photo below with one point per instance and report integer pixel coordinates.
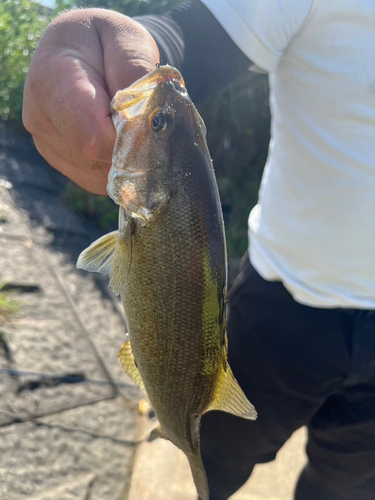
(314, 225)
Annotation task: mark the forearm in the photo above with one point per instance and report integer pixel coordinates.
(191, 39)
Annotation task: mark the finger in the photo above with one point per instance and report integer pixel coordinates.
(80, 112)
(93, 177)
(63, 146)
(73, 123)
(129, 51)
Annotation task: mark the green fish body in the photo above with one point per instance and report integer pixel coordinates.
(168, 262)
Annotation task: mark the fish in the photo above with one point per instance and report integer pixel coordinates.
(168, 262)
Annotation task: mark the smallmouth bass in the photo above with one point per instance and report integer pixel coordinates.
(168, 261)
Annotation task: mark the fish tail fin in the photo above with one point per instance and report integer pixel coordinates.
(199, 474)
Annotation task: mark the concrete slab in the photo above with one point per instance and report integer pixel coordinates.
(47, 339)
(161, 472)
(73, 490)
(57, 370)
(78, 454)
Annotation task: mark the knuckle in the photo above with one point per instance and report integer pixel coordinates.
(90, 147)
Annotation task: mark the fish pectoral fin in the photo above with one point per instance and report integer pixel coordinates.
(128, 363)
(112, 254)
(99, 255)
(122, 258)
(229, 397)
(156, 433)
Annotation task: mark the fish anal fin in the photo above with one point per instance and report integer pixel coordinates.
(128, 363)
(99, 255)
(229, 397)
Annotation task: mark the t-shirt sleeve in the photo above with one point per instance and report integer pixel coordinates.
(262, 29)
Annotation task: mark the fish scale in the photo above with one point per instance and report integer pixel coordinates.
(178, 327)
(168, 261)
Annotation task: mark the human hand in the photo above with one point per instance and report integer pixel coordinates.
(82, 59)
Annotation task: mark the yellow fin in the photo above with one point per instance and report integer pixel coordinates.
(128, 363)
(229, 397)
(122, 257)
(98, 256)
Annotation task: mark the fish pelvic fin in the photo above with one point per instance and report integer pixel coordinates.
(229, 397)
(128, 363)
(99, 255)
(199, 475)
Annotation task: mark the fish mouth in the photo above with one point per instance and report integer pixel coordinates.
(166, 74)
(133, 101)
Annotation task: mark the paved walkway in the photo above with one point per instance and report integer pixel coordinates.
(68, 413)
(69, 422)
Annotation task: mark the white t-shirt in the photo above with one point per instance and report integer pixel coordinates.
(314, 225)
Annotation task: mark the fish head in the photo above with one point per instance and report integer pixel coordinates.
(151, 117)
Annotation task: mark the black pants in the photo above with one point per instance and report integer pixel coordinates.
(299, 366)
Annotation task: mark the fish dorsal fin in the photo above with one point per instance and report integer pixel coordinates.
(229, 397)
(128, 363)
(99, 255)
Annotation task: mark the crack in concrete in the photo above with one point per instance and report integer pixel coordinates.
(90, 488)
(79, 321)
(126, 442)
(22, 420)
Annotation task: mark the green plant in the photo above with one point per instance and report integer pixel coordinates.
(21, 25)
(129, 7)
(8, 306)
(100, 210)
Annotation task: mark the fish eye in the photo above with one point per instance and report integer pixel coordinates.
(159, 121)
